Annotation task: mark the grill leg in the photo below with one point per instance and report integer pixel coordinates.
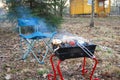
(59, 71)
(83, 67)
(94, 67)
(54, 74)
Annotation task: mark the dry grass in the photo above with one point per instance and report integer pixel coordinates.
(106, 34)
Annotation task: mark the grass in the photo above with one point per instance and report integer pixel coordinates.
(42, 71)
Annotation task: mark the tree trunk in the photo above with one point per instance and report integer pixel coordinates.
(92, 15)
(31, 5)
(61, 8)
(55, 7)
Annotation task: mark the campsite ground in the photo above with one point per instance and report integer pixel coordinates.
(106, 34)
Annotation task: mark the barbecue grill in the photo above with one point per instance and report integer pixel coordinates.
(72, 47)
(74, 52)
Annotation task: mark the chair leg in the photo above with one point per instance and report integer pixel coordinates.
(44, 56)
(40, 62)
(47, 49)
(24, 56)
(29, 49)
(83, 67)
(53, 68)
(47, 43)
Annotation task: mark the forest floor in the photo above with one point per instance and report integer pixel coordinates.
(105, 34)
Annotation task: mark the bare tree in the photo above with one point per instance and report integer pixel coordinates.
(92, 15)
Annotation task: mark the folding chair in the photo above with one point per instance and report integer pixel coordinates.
(32, 40)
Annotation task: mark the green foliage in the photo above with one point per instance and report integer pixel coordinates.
(12, 13)
(51, 10)
(42, 71)
(54, 21)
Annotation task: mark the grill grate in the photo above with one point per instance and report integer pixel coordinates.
(74, 49)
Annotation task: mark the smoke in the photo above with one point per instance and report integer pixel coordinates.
(23, 12)
(45, 27)
(27, 19)
(2, 14)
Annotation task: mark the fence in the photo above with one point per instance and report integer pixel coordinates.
(115, 10)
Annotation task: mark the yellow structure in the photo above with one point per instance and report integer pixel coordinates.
(102, 7)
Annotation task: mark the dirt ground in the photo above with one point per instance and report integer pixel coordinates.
(105, 34)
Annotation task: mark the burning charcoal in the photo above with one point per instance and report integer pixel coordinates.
(72, 43)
